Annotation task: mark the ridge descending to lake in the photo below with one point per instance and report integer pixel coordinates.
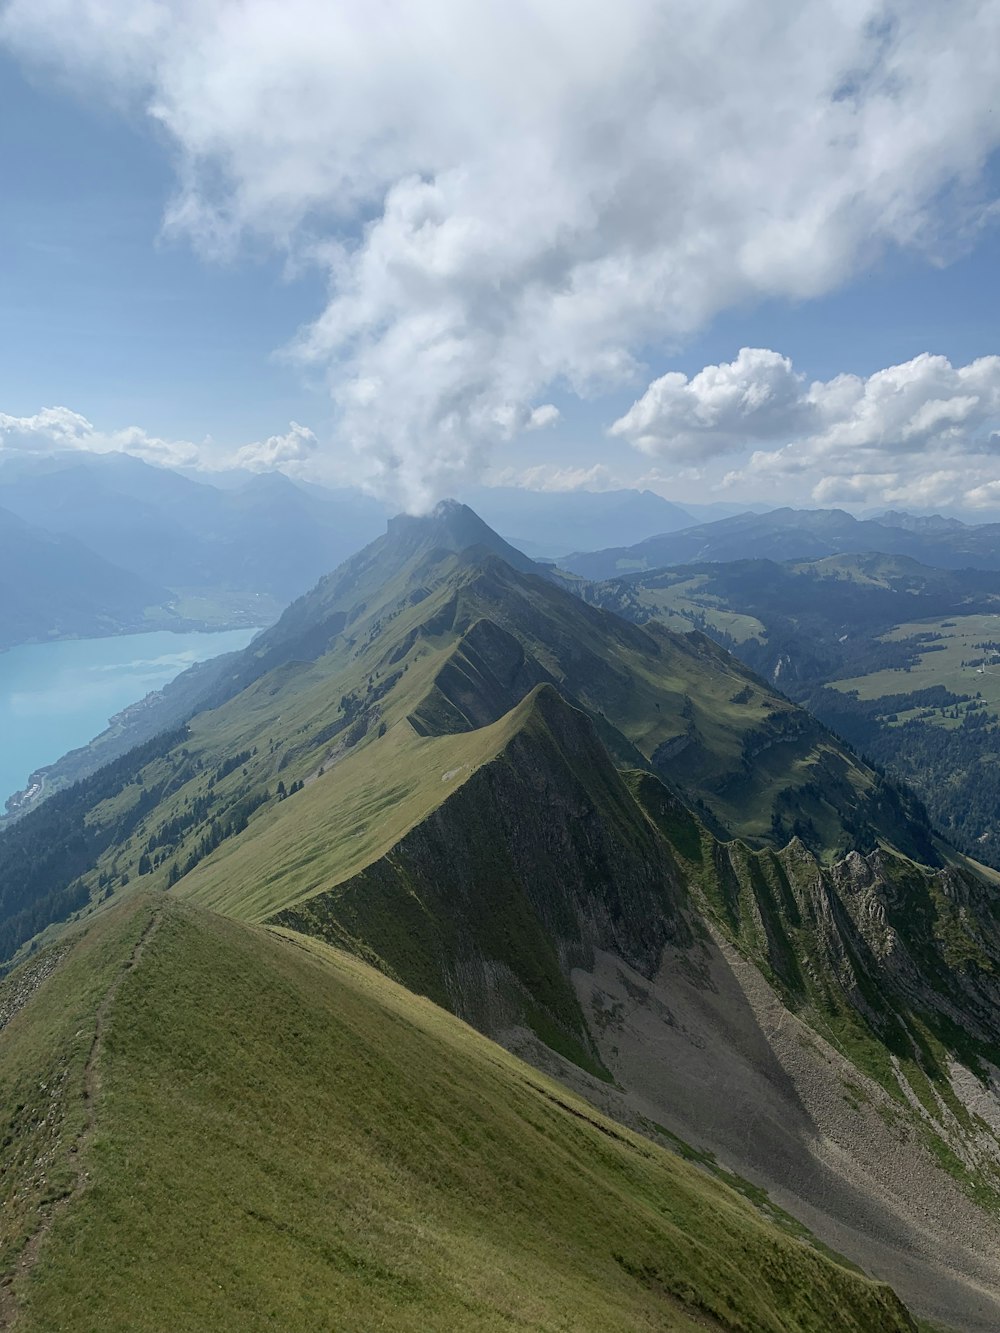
(610, 847)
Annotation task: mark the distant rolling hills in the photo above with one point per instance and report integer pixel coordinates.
(800, 534)
(893, 655)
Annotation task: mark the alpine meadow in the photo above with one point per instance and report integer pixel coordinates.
(499, 604)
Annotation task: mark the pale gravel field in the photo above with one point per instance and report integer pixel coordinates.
(712, 1055)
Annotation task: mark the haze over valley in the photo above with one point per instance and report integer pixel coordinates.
(499, 667)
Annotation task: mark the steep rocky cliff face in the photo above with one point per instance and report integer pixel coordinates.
(831, 1031)
(548, 855)
(538, 860)
(487, 675)
(615, 848)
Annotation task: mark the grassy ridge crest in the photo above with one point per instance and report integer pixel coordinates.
(425, 1178)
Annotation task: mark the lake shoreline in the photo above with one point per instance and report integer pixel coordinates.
(61, 698)
(182, 626)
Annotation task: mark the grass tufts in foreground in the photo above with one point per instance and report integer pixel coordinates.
(284, 1139)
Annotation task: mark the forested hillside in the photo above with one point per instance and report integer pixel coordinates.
(899, 659)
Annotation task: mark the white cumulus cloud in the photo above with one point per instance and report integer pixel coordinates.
(58, 428)
(757, 396)
(504, 197)
(298, 445)
(921, 405)
(921, 433)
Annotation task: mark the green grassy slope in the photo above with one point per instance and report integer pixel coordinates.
(476, 781)
(278, 1137)
(546, 854)
(896, 657)
(948, 651)
(467, 651)
(536, 859)
(375, 695)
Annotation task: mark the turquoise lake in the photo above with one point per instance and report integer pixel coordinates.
(57, 696)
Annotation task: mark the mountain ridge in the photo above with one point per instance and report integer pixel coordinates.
(569, 829)
(892, 654)
(451, 1186)
(797, 534)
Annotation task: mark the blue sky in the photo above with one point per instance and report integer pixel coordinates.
(100, 313)
(216, 226)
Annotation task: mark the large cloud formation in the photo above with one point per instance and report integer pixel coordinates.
(757, 396)
(509, 196)
(923, 433)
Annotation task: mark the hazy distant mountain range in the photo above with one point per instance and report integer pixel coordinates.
(106, 544)
(801, 534)
(548, 524)
(176, 549)
(151, 548)
(51, 584)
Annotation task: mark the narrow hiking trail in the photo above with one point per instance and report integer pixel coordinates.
(77, 1150)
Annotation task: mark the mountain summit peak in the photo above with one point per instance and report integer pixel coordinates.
(452, 526)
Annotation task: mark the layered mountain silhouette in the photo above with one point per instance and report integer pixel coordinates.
(249, 547)
(234, 547)
(53, 586)
(610, 848)
(801, 534)
(548, 524)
